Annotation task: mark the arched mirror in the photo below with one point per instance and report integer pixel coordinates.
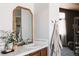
(23, 25)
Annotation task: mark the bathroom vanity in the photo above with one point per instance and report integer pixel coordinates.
(38, 48)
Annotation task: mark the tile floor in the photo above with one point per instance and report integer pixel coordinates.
(67, 52)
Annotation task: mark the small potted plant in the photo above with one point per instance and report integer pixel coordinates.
(10, 44)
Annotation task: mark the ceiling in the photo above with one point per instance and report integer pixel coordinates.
(71, 6)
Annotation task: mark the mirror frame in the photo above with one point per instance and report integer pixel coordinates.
(14, 20)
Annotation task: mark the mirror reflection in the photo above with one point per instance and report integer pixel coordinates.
(23, 25)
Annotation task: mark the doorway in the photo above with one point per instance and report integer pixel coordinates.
(62, 28)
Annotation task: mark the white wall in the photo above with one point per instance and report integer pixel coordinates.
(53, 15)
(6, 14)
(41, 18)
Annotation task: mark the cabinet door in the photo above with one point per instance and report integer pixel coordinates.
(44, 52)
(37, 53)
(41, 52)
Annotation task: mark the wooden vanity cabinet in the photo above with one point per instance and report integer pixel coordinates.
(41, 52)
(44, 52)
(37, 53)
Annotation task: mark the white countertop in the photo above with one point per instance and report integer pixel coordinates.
(27, 49)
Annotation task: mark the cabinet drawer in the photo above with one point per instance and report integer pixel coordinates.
(37, 53)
